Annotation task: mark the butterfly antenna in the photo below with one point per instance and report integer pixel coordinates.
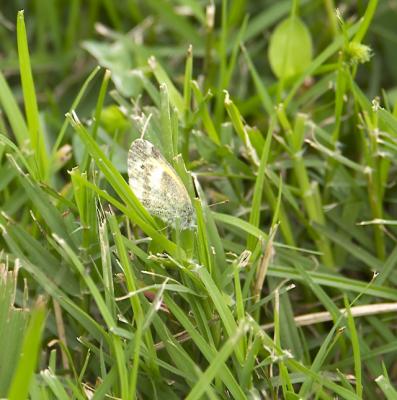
(163, 229)
(144, 129)
(218, 203)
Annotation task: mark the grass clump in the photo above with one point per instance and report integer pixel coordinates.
(286, 288)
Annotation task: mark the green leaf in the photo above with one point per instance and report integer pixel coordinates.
(290, 49)
(29, 355)
(387, 388)
(13, 323)
(37, 140)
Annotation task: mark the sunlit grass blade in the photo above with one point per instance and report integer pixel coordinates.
(386, 386)
(27, 364)
(37, 139)
(254, 218)
(356, 348)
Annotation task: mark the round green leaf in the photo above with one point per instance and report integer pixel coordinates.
(290, 48)
(113, 120)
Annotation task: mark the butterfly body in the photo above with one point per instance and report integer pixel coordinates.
(157, 185)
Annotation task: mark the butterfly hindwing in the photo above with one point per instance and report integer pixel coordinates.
(157, 185)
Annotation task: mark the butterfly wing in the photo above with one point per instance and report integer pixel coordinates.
(157, 186)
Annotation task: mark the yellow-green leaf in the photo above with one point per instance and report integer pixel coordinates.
(290, 49)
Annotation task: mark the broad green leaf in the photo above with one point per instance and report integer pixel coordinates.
(290, 49)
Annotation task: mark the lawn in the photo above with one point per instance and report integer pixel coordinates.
(246, 249)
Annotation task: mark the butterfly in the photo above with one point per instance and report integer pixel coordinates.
(158, 187)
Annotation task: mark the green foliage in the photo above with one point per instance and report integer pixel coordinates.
(13, 322)
(287, 147)
(290, 48)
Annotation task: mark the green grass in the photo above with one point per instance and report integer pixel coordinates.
(287, 286)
